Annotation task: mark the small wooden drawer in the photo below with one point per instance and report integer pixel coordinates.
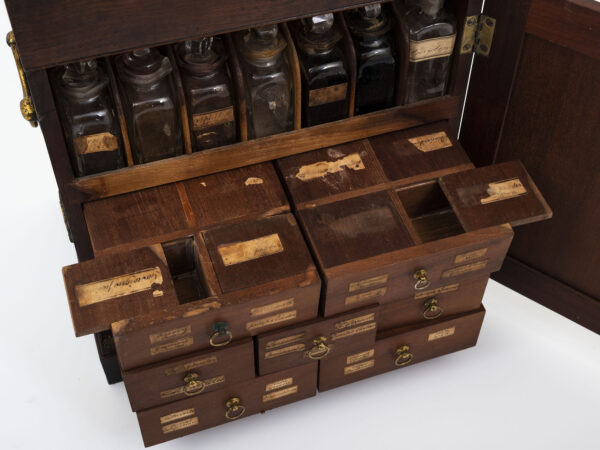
(318, 340)
(402, 347)
(196, 374)
(190, 415)
(433, 304)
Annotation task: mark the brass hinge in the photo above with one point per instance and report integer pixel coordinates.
(478, 34)
(27, 108)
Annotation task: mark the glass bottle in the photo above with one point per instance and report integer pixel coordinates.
(89, 120)
(376, 57)
(149, 105)
(208, 92)
(268, 82)
(431, 32)
(323, 69)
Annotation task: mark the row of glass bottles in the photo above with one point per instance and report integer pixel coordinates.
(150, 105)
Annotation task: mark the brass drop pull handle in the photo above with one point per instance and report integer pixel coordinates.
(221, 330)
(432, 309)
(422, 280)
(193, 384)
(235, 410)
(27, 108)
(403, 356)
(319, 349)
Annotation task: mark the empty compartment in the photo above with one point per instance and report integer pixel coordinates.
(430, 212)
(186, 270)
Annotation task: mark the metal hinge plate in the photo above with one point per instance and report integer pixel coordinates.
(478, 34)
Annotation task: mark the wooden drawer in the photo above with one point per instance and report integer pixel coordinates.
(318, 340)
(195, 374)
(433, 304)
(402, 347)
(184, 417)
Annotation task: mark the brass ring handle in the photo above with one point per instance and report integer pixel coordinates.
(193, 384)
(27, 108)
(422, 280)
(234, 409)
(319, 350)
(220, 329)
(432, 309)
(403, 356)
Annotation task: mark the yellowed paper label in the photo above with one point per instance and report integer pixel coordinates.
(94, 143)
(431, 142)
(121, 286)
(353, 331)
(279, 384)
(271, 320)
(284, 341)
(355, 321)
(503, 190)
(352, 359)
(253, 181)
(192, 365)
(187, 423)
(358, 367)
(170, 346)
(177, 415)
(329, 94)
(440, 290)
(212, 119)
(368, 283)
(156, 338)
(279, 394)
(273, 307)
(441, 334)
(180, 390)
(431, 48)
(461, 270)
(380, 292)
(470, 256)
(284, 351)
(241, 252)
(322, 168)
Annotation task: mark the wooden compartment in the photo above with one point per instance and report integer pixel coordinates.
(191, 375)
(317, 340)
(402, 347)
(187, 416)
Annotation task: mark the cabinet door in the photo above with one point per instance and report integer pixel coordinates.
(537, 99)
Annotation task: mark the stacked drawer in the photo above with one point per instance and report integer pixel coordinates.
(223, 301)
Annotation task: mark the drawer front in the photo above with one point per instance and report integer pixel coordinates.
(211, 323)
(402, 347)
(189, 376)
(394, 277)
(433, 305)
(184, 417)
(317, 340)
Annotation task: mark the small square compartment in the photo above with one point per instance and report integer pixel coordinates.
(430, 212)
(186, 270)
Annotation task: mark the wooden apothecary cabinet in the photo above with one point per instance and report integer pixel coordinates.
(348, 242)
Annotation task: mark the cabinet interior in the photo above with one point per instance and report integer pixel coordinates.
(186, 270)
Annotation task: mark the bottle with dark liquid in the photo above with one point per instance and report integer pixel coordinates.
(323, 69)
(431, 33)
(376, 58)
(208, 92)
(268, 82)
(89, 120)
(149, 105)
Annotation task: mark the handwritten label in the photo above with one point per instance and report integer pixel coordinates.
(156, 338)
(358, 367)
(353, 331)
(121, 286)
(322, 168)
(285, 351)
(368, 283)
(180, 425)
(380, 292)
(470, 256)
(431, 48)
(441, 334)
(192, 365)
(503, 190)
(279, 394)
(355, 321)
(268, 309)
(284, 341)
(171, 346)
(177, 415)
(94, 143)
(271, 320)
(212, 119)
(431, 142)
(241, 252)
(279, 384)
(440, 290)
(329, 94)
(353, 359)
(461, 270)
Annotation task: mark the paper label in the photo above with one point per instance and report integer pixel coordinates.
(358, 367)
(441, 334)
(212, 119)
(177, 415)
(461, 270)
(156, 338)
(329, 94)
(368, 283)
(121, 286)
(353, 331)
(352, 359)
(431, 48)
(434, 292)
(366, 296)
(355, 321)
(268, 309)
(470, 256)
(271, 320)
(279, 394)
(241, 252)
(322, 168)
(503, 190)
(192, 365)
(285, 351)
(279, 384)
(180, 425)
(169, 347)
(284, 341)
(431, 142)
(94, 143)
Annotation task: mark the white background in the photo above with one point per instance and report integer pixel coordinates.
(533, 381)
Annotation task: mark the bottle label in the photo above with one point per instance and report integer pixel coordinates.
(212, 118)
(329, 94)
(93, 143)
(431, 48)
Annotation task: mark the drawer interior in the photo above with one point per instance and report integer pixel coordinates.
(186, 270)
